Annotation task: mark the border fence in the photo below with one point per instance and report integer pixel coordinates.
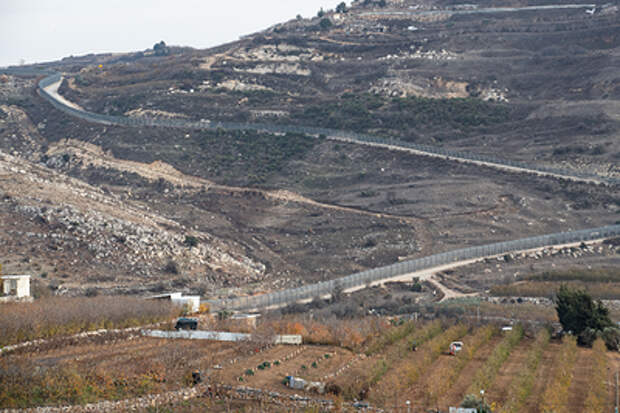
(360, 279)
(334, 134)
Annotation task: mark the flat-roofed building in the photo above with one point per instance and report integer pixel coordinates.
(15, 287)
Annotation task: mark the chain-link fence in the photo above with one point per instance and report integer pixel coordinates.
(334, 134)
(361, 279)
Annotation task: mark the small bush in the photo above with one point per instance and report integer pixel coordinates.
(190, 241)
(171, 267)
(91, 292)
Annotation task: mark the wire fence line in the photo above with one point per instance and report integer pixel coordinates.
(361, 279)
(334, 134)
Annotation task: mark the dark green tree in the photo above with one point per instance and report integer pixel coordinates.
(321, 13)
(190, 241)
(161, 49)
(341, 8)
(581, 315)
(325, 23)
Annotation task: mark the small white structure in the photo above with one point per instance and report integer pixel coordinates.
(218, 336)
(248, 320)
(191, 302)
(15, 287)
(294, 339)
(455, 347)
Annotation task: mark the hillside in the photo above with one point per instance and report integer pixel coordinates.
(147, 209)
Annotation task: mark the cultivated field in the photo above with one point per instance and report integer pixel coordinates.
(520, 371)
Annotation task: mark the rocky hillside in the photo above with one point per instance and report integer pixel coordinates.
(91, 208)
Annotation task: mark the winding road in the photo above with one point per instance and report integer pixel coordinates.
(422, 267)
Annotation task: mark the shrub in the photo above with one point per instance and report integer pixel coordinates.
(611, 337)
(471, 401)
(171, 267)
(579, 314)
(325, 23)
(91, 292)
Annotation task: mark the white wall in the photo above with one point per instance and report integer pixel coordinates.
(21, 282)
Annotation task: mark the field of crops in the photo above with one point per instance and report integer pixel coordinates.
(519, 371)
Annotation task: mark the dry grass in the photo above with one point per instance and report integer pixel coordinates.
(548, 289)
(60, 316)
(349, 333)
(101, 372)
(601, 275)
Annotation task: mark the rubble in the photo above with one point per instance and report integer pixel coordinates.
(151, 113)
(441, 55)
(276, 68)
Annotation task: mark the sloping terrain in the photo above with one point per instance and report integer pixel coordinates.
(222, 212)
(532, 84)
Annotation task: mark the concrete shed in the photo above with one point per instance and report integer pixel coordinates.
(15, 287)
(191, 302)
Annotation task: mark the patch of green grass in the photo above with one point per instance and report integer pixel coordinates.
(253, 156)
(362, 113)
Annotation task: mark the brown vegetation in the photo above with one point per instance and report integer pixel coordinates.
(556, 394)
(59, 316)
(603, 291)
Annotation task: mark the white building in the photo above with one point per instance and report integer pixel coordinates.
(15, 287)
(190, 302)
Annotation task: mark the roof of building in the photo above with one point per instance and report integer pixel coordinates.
(165, 295)
(14, 277)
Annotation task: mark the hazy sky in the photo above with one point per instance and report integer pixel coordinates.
(44, 30)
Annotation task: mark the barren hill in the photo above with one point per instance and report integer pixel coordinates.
(120, 209)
